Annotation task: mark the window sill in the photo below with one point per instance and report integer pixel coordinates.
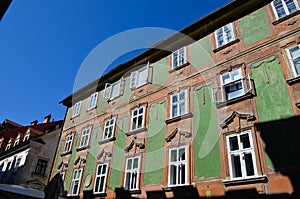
(72, 197)
(226, 45)
(89, 109)
(82, 148)
(107, 140)
(253, 180)
(178, 118)
(177, 187)
(298, 105)
(65, 153)
(101, 195)
(234, 100)
(293, 80)
(286, 18)
(136, 131)
(140, 86)
(179, 67)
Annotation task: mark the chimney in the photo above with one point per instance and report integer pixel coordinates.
(47, 119)
(33, 123)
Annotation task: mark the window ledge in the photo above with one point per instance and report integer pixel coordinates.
(177, 187)
(73, 197)
(136, 131)
(258, 179)
(226, 45)
(234, 100)
(107, 140)
(101, 195)
(65, 153)
(178, 118)
(286, 18)
(293, 80)
(140, 86)
(82, 148)
(89, 109)
(179, 67)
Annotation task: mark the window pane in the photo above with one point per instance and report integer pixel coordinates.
(291, 6)
(249, 164)
(140, 121)
(182, 108)
(101, 188)
(141, 110)
(115, 89)
(133, 180)
(245, 141)
(228, 32)
(133, 123)
(236, 74)
(104, 167)
(173, 174)
(182, 174)
(174, 98)
(226, 78)
(135, 163)
(233, 143)
(236, 166)
(279, 8)
(297, 65)
(234, 90)
(127, 181)
(220, 37)
(143, 75)
(182, 154)
(175, 59)
(174, 110)
(129, 164)
(173, 155)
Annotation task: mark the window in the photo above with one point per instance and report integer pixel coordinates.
(224, 35)
(93, 101)
(233, 85)
(18, 162)
(26, 137)
(283, 8)
(241, 156)
(76, 109)
(178, 166)
(75, 182)
(140, 77)
(41, 167)
(100, 179)
(132, 173)
(109, 128)
(68, 144)
(112, 90)
(17, 140)
(179, 58)
(8, 145)
(179, 104)
(85, 137)
(8, 166)
(138, 117)
(62, 175)
(294, 57)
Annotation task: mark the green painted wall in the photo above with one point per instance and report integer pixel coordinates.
(84, 106)
(272, 101)
(127, 91)
(255, 27)
(101, 102)
(118, 153)
(160, 72)
(201, 54)
(68, 117)
(206, 140)
(93, 152)
(155, 144)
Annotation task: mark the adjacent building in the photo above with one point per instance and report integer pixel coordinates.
(210, 112)
(27, 152)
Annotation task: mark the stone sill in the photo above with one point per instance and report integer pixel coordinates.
(136, 131)
(226, 45)
(107, 140)
(258, 179)
(293, 80)
(178, 118)
(286, 18)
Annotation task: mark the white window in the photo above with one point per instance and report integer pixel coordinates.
(26, 137)
(178, 166)
(294, 57)
(138, 117)
(233, 85)
(109, 128)
(224, 35)
(112, 90)
(100, 179)
(93, 101)
(132, 173)
(8, 145)
(85, 137)
(17, 140)
(75, 182)
(179, 57)
(140, 77)
(283, 8)
(76, 109)
(178, 104)
(68, 143)
(241, 155)
(62, 175)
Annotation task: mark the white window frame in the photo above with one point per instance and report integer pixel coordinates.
(76, 181)
(241, 152)
(285, 8)
(177, 63)
(17, 140)
(292, 60)
(26, 137)
(136, 118)
(225, 37)
(85, 137)
(109, 92)
(76, 109)
(8, 145)
(109, 128)
(185, 101)
(178, 163)
(132, 174)
(136, 80)
(68, 143)
(102, 177)
(93, 101)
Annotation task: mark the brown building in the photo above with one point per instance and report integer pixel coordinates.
(211, 112)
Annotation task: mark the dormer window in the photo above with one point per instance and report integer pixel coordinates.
(8, 145)
(17, 140)
(26, 137)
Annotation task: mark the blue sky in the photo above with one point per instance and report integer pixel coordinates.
(44, 43)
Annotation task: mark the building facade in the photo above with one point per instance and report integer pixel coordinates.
(211, 112)
(27, 152)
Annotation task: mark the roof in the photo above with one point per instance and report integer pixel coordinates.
(197, 30)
